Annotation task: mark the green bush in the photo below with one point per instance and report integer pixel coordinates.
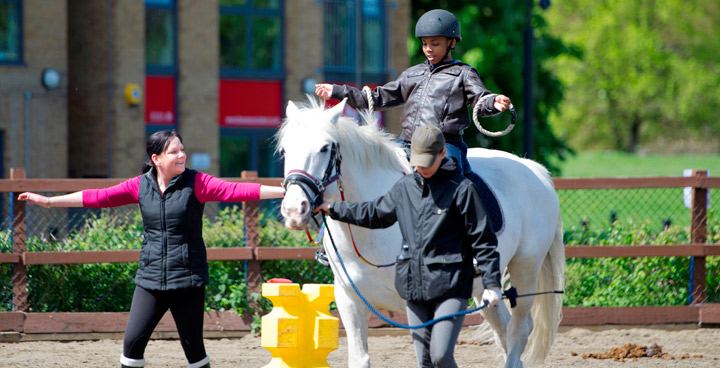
(633, 281)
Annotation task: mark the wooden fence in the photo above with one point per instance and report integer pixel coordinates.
(21, 321)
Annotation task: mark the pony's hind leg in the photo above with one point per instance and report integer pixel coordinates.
(355, 318)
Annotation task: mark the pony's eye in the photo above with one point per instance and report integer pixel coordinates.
(325, 148)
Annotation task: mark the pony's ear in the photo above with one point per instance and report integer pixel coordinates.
(291, 109)
(337, 110)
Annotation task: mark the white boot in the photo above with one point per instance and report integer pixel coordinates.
(126, 362)
(203, 363)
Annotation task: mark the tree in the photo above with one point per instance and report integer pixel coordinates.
(493, 44)
(647, 72)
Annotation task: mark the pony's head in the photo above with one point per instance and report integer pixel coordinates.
(314, 141)
(309, 145)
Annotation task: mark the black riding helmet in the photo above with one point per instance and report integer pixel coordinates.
(438, 23)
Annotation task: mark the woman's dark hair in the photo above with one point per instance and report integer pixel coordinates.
(156, 144)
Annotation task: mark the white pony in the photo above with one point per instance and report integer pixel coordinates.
(313, 139)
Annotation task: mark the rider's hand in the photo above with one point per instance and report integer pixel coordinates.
(502, 103)
(491, 296)
(35, 199)
(323, 207)
(324, 90)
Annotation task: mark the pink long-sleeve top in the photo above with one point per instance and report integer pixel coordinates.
(207, 188)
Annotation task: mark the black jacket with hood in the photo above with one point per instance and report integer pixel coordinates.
(443, 226)
(438, 95)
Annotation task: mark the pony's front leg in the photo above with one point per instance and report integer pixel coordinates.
(524, 277)
(518, 331)
(355, 318)
(498, 318)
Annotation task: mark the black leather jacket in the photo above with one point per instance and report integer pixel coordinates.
(443, 226)
(438, 95)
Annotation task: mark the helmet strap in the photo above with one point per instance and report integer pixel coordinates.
(450, 47)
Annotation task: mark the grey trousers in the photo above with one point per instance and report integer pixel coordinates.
(435, 344)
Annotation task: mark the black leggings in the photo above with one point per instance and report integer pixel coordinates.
(148, 307)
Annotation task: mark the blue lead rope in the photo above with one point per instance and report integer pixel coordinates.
(396, 324)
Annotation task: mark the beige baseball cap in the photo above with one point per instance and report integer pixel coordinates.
(426, 143)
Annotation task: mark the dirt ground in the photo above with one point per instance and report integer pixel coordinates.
(391, 348)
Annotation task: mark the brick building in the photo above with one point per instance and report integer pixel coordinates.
(219, 71)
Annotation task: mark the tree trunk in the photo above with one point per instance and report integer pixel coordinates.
(634, 138)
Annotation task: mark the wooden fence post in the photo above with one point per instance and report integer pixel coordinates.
(251, 219)
(19, 273)
(698, 235)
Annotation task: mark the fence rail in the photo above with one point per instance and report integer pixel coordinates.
(253, 253)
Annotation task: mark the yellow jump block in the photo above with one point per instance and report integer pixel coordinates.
(299, 332)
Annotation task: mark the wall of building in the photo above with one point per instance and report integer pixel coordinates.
(399, 23)
(45, 46)
(106, 52)
(199, 64)
(303, 45)
(86, 128)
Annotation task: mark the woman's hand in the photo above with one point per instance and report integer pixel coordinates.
(502, 103)
(35, 199)
(323, 90)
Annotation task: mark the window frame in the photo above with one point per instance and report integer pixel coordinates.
(255, 135)
(347, 73)
(155, 69)
(251, 12)
(164, 71)
(20, 60)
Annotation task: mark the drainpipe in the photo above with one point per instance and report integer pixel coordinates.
(110, 91)
(28, 97)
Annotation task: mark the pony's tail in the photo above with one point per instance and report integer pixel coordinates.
(547, 309)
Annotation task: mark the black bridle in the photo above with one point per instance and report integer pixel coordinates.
(314, 188)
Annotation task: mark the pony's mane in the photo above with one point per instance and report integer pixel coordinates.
(365, 144)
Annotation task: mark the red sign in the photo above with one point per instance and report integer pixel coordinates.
(160, 100)
(250, 103)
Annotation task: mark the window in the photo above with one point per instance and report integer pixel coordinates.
(11, 31)
(340, 42)
(160, 35)
(251, 85)
(251, 38)
(248, 150)
(160, 65)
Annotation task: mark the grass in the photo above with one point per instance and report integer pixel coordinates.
(620, 164)
(597, 207)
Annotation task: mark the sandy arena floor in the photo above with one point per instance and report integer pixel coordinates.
(389, 348)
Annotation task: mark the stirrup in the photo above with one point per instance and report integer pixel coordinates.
(322, 257)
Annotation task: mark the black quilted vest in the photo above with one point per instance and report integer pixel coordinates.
(173, 252)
